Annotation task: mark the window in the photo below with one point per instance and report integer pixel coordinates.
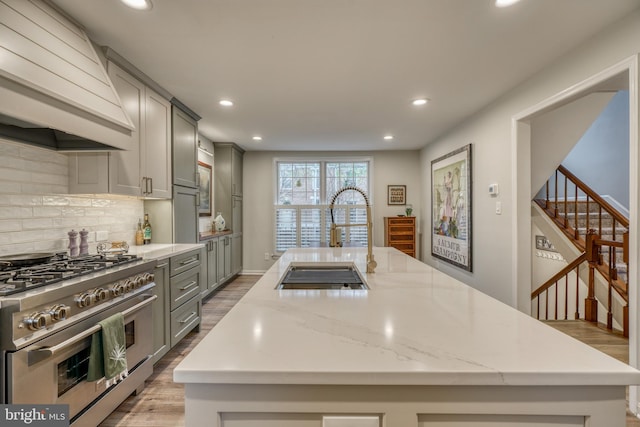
(304, 192)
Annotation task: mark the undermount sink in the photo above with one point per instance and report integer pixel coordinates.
(322, 276)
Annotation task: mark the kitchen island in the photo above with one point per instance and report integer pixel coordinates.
(418, 348)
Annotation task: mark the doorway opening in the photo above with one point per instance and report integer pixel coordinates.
(534, 161)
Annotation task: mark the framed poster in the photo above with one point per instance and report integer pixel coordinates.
(451, 208)
(396, 194)
(205, 172)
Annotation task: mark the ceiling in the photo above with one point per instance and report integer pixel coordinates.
(335, 75)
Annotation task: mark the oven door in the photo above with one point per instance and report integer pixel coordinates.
(54, 370)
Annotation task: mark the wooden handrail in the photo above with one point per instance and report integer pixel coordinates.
(559, 275)
(595, 196)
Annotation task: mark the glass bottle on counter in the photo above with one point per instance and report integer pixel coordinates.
(146, 230)
(139, 234)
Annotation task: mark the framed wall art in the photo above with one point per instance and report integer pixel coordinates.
(451, 208)
(205, 172)
(396, 194)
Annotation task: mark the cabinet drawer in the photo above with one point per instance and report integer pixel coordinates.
(184, 286)
(184, 319)
(409, 221)
(182, 262)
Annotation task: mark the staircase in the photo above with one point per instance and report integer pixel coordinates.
(601, 234)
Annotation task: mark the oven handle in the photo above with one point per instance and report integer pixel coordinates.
(39, 354)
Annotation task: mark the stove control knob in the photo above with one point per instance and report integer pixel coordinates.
(37, 321)
(59, 312)
(100, 294)
(118, 289)
(129, 285)
(85, 299)
(138, 281)
(148, 277)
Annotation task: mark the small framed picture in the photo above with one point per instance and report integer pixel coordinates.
(396, 194)
(205, 172)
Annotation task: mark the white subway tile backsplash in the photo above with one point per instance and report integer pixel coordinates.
(36, 211)
(55, 201)
(40, 188)
(14, 175)
(10, 225)
(21, 200)
(46, 211)
(37, 224)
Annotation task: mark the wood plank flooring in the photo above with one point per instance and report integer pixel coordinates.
(162, 401)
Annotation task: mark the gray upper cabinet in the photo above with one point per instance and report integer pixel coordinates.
(185, 160)
(228, 183)
(145, 169)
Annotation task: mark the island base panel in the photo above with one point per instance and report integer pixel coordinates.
(238, 405)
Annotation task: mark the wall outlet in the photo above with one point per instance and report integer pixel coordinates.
(267, 256)
(102, 236)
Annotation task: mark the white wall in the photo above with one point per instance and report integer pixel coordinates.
(389, 168)
(36, 212)
(490, 131)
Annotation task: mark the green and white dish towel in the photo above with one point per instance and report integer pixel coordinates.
(108, 356)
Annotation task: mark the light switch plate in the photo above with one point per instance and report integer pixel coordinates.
(350, 421)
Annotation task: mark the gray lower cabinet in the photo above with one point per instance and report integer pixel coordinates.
(185, 276)
(161, 321)
(221, 265)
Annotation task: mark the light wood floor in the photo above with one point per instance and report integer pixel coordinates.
(162, 401)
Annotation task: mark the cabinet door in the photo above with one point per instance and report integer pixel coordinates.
(236, 173)
(125, 167)
(220, 273)
(212, 264)
(161, 320)
(156, 147)
(236, 214)
(227, 257)
(185, 215)
(185, 136)
(236, 256)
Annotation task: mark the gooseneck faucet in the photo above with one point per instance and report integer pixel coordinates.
(334, 233)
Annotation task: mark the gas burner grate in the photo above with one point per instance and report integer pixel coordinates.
(59, 267)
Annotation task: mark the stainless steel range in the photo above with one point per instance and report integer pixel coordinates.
(50, 306)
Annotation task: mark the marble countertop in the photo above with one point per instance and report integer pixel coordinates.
(414, 326)
(163, 250)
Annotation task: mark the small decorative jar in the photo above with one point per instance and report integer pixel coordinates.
(219, 222)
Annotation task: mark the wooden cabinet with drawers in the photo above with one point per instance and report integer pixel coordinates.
(400, 233)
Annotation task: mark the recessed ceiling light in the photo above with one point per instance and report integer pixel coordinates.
(226, 103)
(505, 3)
(388, 137)
(138, 4)
(257, 138)
(420, 101)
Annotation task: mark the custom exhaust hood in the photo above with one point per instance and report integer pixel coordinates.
(54, 90)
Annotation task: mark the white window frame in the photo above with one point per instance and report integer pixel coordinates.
(324, 204)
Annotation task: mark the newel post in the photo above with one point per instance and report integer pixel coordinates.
(590, 302)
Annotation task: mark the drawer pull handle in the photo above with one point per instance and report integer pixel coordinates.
(162, 265)
(189, 318)
(190, 285)
(189, 261)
